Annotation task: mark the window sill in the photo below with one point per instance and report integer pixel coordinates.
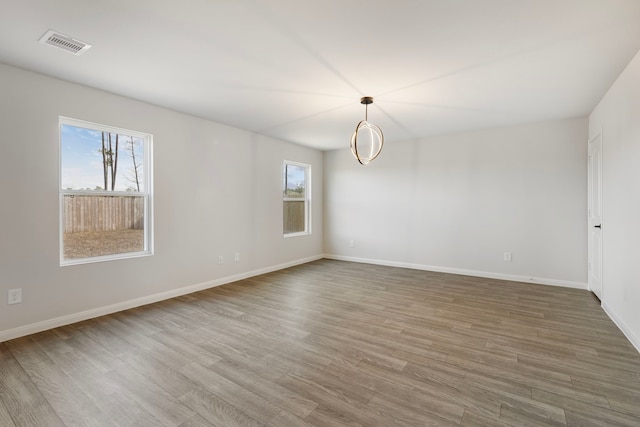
(301, 233)
(129, 255)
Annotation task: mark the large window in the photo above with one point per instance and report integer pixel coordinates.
(105, 193)
(296, 199)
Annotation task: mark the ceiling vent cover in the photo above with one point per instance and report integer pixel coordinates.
(66, 43)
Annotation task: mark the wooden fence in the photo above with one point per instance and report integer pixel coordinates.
(294, 216)
(103, 213)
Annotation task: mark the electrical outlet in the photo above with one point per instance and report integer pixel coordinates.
(220, 259)
(14, 296)
(352, 243)
(507, 256)
(236, 256)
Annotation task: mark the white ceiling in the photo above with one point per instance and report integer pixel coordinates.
(296, 69)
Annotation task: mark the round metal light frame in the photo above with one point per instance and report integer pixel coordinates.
(369, 132)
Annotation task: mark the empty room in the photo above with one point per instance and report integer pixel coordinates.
(296, 213)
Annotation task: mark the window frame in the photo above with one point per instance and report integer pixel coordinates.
(146, 194)
(307, 197)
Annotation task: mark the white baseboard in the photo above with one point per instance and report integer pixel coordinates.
(489, 275)
(44, 325)
(635, 341)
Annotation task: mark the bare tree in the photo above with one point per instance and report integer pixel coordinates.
(114, 162)
(105, 163)
(109, 159)
(134, 176)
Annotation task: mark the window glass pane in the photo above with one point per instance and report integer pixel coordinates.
(295, 182)
(105, 192)
(102, 225)
(296, 198)
(99, 160)
(294, 216)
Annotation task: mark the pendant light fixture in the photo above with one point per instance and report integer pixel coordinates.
(367, 140)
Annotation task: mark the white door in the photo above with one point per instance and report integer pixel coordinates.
(595, 215)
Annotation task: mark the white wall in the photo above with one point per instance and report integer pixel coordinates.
(618, 116)
(217, 191)
(458, 202)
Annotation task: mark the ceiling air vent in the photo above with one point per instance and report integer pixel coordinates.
(66, 43)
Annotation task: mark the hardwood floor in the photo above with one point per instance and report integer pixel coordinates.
(332, 343)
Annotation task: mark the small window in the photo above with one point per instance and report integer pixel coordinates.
(105, 193)
(296, 199)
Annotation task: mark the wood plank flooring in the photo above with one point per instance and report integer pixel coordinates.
(332, 343)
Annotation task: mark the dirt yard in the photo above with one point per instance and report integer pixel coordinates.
(96, 243)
